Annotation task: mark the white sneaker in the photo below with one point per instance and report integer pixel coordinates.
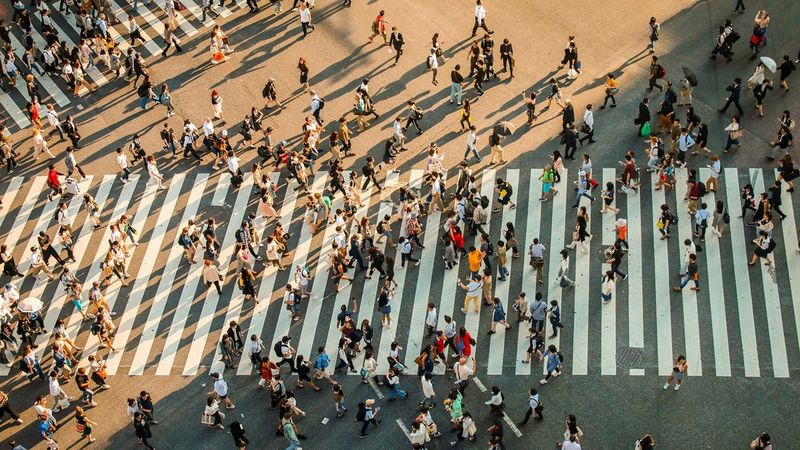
(666, 386)
(542, 381)
(556, 374)
(677, 386)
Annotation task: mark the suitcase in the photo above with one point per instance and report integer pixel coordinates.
(71, 186)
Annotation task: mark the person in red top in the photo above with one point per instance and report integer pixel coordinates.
(441, 343)
(464, 342)
(33, 111)
(621, 226)
(267, 366)
(379, 27)
(53, 182)
(457, 238)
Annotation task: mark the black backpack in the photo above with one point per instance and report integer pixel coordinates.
(489, 248)
(361, 415)
(277, 348)
(484, 201)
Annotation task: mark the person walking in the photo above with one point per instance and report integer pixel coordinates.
(654, 29)
(456, 85)
(552, 364)
(305, 19)
(498, 316)
(538, 313)
(379, 27)
(397, 42)
(734, 134)
(83, 425)
(366, 415)
(170, 39)
(5, 407)
(142, 430)
(480, 19)
(735, 90)
(535, 407)
(608, 283)
(679, 369)
(656, 72)
(611, 90)
(691, 274)
(220, 389)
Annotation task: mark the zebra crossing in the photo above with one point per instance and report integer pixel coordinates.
(150, 18)
(741, 323)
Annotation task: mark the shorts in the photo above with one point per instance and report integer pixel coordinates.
(386, 309)
(677, 374)
(222, 397)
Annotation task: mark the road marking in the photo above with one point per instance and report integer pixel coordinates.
(772, 304)
(422, 293)
(301, 251)
(580, 335)
(608, 320)
(45, 216)
(512, 425)
(183, 24)
(145, 270)
(197, 349)
(558, 227)
(10, 195)
(792, 255)
(478, 383)
(662, 287)
(267, 286)
(320, 283)
(387, 335)
(747, 325)
(635, 294)
(187, 295)
(375, 388)
(534, 214)
(167, 281)
(149, 43)
(47, 83)
(497, 341)
(404, 428)
(691, 322)
(716, 293)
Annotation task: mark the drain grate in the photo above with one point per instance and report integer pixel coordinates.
(629, 357)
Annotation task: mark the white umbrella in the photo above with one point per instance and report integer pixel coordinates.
(769, 63)
(30, 305)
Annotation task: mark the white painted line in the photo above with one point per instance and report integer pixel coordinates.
(608, 320)
(583, 290)
(634, 281)
(366, 307)
(267, 286)
(300, 258)
(183, 24)
(149, 43)
(343, 297)
(790, 243)
(691, 321)
(45, 217)
(10, 195)
(716, 293)
(47, 83)
(662, 285)
(772, 303)
(472, 319)
(125, 196)
(478, 383)
(534, 217)
(744, 300)
(143, 273)
(512, 425)
(388, 334)
(197, 350)
(92, 72)
(56, 303)
(497, 341)
(375, 388)
(187, 295)
(167, 281)
(15, 114)
(321, 276)
(21, 219)
(558, 228)
(422, 295)
(403, 428)
(197, 12)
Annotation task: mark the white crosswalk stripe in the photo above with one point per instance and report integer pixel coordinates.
(193, 318)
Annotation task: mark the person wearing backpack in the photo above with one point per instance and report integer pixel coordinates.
(366, 415)
(504, 191)
(656, 72)
(283, 349)
(554, 360)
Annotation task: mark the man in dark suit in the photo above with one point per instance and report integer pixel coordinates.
(644, 115)
(569, 115)
(570, 141)
(397, 42)
(735, 93)
(72, 132)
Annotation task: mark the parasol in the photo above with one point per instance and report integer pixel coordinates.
(30, 305)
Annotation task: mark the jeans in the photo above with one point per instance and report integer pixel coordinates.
(578, 198)
(474, 152)
(456, 91)
(665, 231)
(143, 102)
(293, 445)
(556, 323)
(503, 271)
(396, 392)
(731, 142)
(615, 269)
(87, 395)
(365, 424)
(685, 281)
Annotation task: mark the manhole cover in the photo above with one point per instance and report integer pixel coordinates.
(629, 358)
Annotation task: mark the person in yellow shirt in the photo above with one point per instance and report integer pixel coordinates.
(612, 88)
(475, 258)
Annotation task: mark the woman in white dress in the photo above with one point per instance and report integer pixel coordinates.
(353, 189)
(153, 171)
(216, 103)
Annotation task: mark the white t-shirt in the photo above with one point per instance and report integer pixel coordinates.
(305, 15)
(122, 161)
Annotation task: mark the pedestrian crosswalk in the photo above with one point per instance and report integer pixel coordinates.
(150, 19)
(740, 324)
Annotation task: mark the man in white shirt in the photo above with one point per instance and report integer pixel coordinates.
(302, 278)
(122, 162)
(472, 141)
(64, 221)
(430, 319)
(397, 133)
(463, 372)
(474, 291)
(480, 19)
(305, 19)
(38, 264)
(588, 125)
(254, 348)
(702, 219)
(688, 249)
(221, 389)
(436, 193)
(317, 104)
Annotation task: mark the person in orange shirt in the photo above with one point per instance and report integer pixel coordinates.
(621, 227)
(475, 258)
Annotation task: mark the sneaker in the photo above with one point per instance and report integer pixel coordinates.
(677, 386)
(542, 381)
(666, 386)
